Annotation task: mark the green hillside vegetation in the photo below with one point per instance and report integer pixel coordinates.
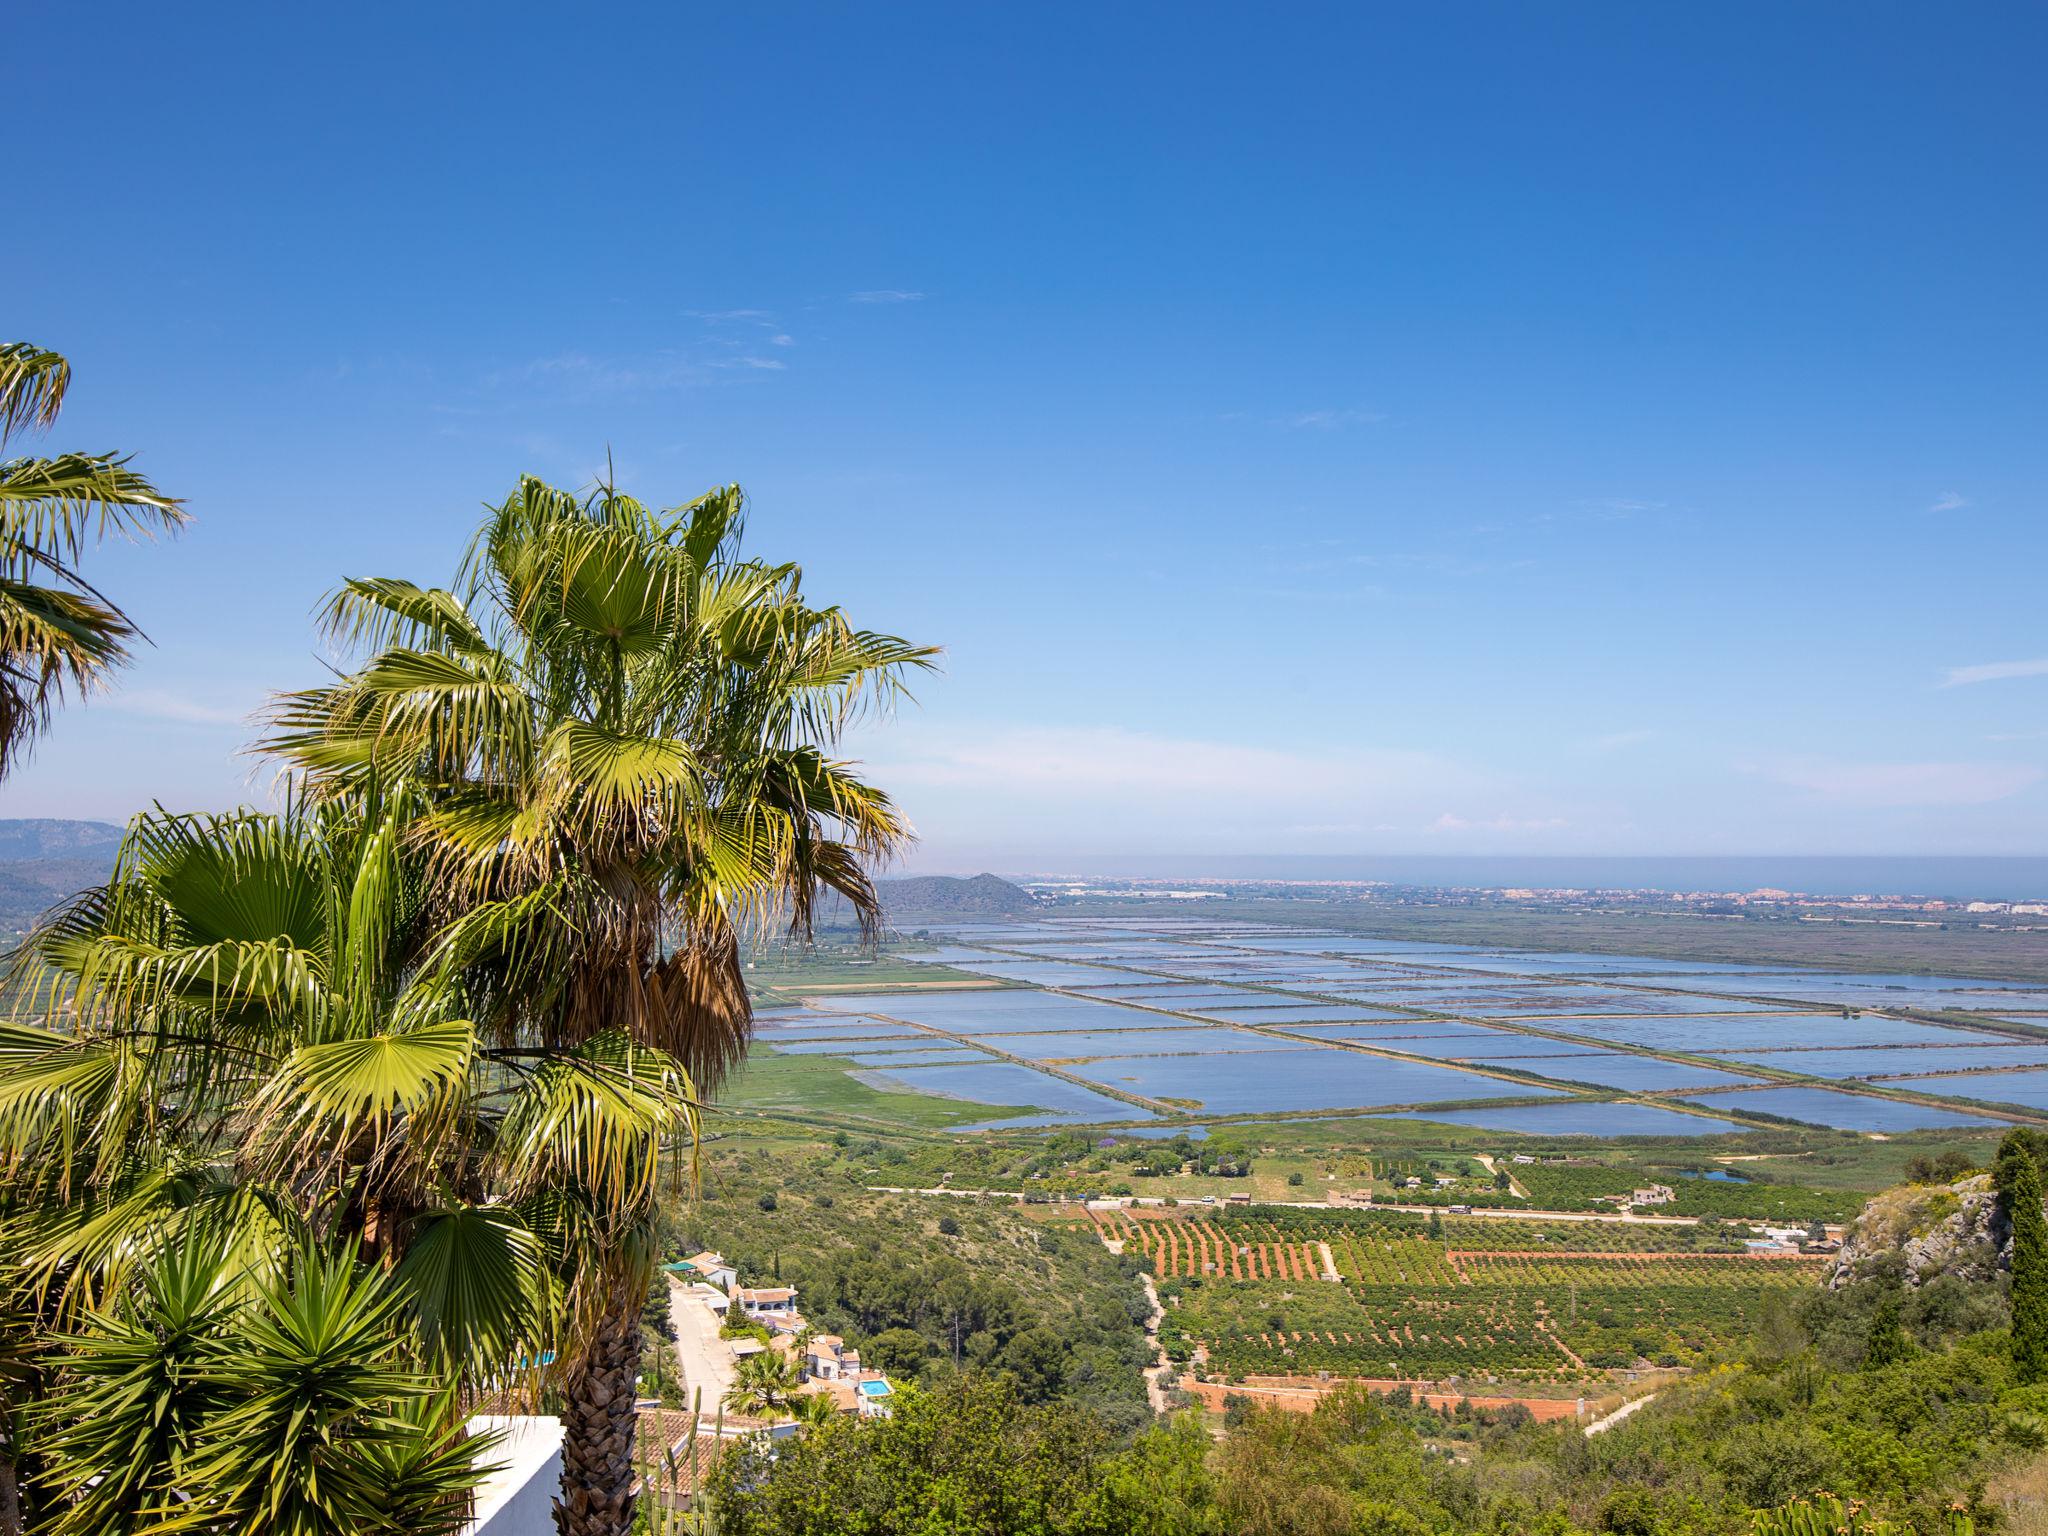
(931, 1289)
(1906, 1397)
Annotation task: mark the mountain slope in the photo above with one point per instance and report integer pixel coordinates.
(44, 861)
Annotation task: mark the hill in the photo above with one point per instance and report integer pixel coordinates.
(44, 861)
(938, 898)
(916, 899)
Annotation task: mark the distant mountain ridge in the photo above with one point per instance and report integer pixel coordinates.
(42, 861)
(39, 838)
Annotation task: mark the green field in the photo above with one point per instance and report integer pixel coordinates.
(823, 1090)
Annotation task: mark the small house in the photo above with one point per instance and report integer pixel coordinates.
(711, 1268)
(767, 1303)
(828, 1358)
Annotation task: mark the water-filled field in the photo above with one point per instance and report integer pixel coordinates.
(1832, 1107)
(1901, 1061)
(1611, 1070)
(1066, 1044)
(2025, 1088)
(1300, 1022)
(1277, 1011)
(1304, 1077)
(1580, 1119)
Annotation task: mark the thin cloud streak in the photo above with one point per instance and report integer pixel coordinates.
(1904, 784)
(163, 704)
(1995, 672)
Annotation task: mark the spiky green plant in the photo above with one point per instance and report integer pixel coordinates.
(198, 1403)
(1826, 1515)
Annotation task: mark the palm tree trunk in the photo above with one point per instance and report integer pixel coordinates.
(598, 1425)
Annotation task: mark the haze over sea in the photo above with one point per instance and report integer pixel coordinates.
(1955, 878)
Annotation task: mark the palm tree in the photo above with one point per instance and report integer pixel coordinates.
(619, 729)
(811, 1408)
(261, 1040)
(263, 1023)
(763, 1384)
(58, 636)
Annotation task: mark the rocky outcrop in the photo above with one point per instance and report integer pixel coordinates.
(1928, 1230)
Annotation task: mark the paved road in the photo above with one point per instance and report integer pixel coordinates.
(705, 1358)
(1155, 1391)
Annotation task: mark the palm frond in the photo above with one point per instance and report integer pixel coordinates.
(58, 505)
(33, 381)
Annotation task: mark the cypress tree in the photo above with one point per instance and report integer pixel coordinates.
(1888, 1343)
(2019, 1181)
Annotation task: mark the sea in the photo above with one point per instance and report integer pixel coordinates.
(1951, 877)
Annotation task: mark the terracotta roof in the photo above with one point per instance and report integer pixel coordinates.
(664, 1454)
(768, 1293)
(844, 1397)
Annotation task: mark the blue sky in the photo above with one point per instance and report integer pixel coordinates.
(1326, 428)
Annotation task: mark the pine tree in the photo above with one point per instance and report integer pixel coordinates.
(2019, 1183)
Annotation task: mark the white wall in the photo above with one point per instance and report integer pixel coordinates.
(519, 1498)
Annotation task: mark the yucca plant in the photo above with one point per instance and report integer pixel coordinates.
(619, 732)
(58, 635)
(200, 1403)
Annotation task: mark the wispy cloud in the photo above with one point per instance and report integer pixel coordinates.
(602, 375)
(1618, 507)
(1995, 672)
(164, 704)
(1330, 419)
(1114, 787)
(885, 296)
(1904, 784)
(1949, 501)
(1502, 823)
